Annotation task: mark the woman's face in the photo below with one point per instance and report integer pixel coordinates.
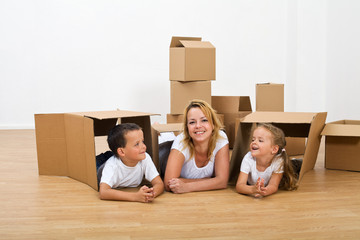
(199, 127)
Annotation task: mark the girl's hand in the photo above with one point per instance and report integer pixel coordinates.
(177, 186)
(145, 194)
(260, 188)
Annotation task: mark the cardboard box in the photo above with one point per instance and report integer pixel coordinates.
(66, 141)
(179, 118)
(294, 124)
(232, 107)
(156, 130)
(342, 145)
(191, 59)
(181, 93)
(270, 97)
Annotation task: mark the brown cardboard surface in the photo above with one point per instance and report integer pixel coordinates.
(342, 145)
(297, 124)
(181, 93)
(191, 59)
(66, 142)
(156, 130)
(231, 104)
(270, 97)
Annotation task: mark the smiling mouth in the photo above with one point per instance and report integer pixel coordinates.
(198, 133)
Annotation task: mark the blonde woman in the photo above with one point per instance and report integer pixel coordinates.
(199, 157)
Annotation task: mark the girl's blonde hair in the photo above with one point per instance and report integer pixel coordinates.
(211, 116)
(289, 180)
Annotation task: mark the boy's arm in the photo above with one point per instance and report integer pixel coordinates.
(158, 186)
(107, 193)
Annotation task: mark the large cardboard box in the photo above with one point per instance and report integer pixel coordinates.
(156, 130)
(232, 107)
(342, 145)
(191, 59)
(181, 93)
(270, 97)
(66, 141)
(294, 124)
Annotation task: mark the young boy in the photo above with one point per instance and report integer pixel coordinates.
(128, 166)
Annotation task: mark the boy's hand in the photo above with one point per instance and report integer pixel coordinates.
(145, 194)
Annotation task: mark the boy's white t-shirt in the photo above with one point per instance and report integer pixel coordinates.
(248, 166)
(189, 169)
(117, 174)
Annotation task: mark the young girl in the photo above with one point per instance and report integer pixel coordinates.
(267, 165)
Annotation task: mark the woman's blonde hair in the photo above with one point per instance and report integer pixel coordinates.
(211, 116)
(289, 180)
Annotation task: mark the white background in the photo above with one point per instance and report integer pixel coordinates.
(90, 55)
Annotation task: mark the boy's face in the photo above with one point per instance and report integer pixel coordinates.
(262, 144)
(135, 148)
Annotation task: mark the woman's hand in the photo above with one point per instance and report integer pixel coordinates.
(177, 186)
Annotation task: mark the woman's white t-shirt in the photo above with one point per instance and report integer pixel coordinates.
(189, 169)
(117, 174)
(248, 166)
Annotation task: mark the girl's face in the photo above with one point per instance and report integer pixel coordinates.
(198, 125)
(262, 143)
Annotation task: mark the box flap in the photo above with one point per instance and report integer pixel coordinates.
(345, 128)
(231, 104)
(113, 114)
(279, 117)
(175, 41)
(169, 127)
(196, 44)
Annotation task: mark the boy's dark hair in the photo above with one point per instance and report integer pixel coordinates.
(116, 138)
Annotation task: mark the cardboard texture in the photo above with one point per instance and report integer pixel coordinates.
(181, 93)
(294, 124)
(156, 130)
(342, 145)
(191, 59)
(270, 97)
(232, 107)
(66, 141)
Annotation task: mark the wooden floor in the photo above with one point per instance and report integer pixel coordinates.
(326, 206)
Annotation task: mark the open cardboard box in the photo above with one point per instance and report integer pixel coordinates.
(66, 141)
(157, 129)
(191, 59)
(342, 145)
(294, 124)
(232, 107)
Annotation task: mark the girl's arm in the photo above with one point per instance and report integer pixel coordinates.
(273, 185)
(158, 186)
(218, 182)
(145, 194)
(242, 187)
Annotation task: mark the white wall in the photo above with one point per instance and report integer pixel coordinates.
(64, 56)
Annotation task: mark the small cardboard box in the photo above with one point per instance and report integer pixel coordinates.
(232, 107)
(156, 130)
(294, 124)
(191, 59)
(66, 141)
(342, 145)
(181, 93)
(270, 97)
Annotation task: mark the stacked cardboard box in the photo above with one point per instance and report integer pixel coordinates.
(231, 107)
(192, 68)
(270, 98)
